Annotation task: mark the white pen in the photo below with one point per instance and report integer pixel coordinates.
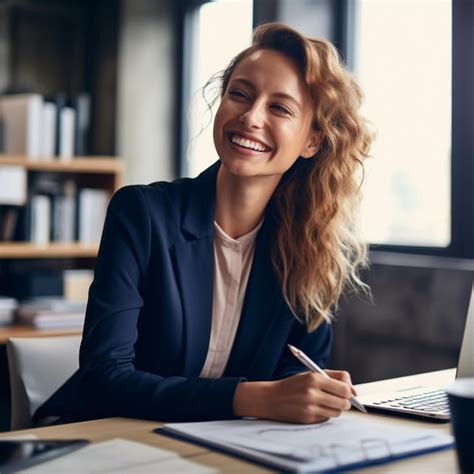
(311, 365)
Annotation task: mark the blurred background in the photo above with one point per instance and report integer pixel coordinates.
(140, 65)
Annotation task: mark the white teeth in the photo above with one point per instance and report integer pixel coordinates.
(247, 143)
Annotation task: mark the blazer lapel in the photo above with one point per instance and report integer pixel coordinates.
(194, 266)
(195, 272)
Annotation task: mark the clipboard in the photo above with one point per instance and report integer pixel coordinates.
(343, 456)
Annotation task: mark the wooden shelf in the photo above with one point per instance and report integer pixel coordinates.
(21, 330)
(91, 164)
(52, 250)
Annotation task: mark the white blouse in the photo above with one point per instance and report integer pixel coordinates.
(232, 263)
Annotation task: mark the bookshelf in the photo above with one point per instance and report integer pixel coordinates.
(58, 48)
(95, 171)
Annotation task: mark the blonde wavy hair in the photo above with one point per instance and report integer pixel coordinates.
(321, 256)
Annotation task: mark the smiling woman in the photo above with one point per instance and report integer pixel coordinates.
(201, 283)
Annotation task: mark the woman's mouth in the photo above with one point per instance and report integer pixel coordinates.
(247, 143)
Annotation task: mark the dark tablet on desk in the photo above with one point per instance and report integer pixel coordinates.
(20, 454)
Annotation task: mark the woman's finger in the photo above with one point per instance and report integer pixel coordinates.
(343, 376)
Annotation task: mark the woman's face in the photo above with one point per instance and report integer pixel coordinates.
(264, 121)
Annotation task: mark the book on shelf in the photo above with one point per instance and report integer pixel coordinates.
(8, 222)
(45, 128)
(47, 312)
(22, 122)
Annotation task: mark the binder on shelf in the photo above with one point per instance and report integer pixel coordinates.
(92, 208)
(82, 106)
(49, 130)
(22, 117)
(40, 219)
(64, 211)
(67, 125)
(60, 103)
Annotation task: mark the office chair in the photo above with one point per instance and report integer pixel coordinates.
(38, 366)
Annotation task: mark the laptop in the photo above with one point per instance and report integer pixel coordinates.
(430, 402)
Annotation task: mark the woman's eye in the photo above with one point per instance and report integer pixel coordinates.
(281, 108)
(237, 94)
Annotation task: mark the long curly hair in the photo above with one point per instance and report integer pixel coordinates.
(317, 253)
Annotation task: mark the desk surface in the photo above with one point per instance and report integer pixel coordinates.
(140, 430)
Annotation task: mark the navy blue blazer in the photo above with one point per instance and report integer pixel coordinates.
(149, 313)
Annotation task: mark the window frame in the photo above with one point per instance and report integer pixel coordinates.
(462, 136)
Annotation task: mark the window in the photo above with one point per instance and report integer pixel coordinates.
(403, 62)
(223, 28)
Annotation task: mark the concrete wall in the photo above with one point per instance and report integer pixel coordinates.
(146, 90)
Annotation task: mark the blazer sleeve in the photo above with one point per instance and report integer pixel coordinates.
(317, 345)
(110, 385)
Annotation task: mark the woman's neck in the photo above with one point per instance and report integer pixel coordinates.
(241, 201)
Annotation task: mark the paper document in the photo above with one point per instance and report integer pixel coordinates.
(346, 442)
(119, 455)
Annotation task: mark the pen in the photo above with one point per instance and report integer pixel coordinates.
(311, 365)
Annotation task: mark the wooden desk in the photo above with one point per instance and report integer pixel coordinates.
(139, 430)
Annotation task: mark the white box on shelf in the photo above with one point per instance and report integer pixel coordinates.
(13, 185)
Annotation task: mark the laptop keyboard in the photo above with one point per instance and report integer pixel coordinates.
(435, 401)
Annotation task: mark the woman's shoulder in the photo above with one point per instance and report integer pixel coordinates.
(157, 195)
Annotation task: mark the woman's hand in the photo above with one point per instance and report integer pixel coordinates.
(308, 397)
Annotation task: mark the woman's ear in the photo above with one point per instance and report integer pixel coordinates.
(312, 146)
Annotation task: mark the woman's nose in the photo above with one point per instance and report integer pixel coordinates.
(253, 117)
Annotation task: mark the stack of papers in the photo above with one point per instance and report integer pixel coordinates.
(347, 442)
